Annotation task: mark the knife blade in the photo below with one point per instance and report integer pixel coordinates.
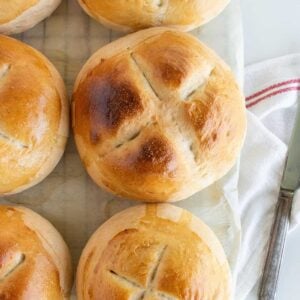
(289, 184)
(291, 175)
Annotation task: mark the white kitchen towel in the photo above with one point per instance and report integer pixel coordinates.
(272, 89)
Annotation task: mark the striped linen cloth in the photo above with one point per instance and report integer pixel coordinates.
(272, 91)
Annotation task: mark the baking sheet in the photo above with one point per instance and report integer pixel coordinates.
(68, 197)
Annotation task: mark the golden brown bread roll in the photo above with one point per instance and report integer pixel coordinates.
(153, 252)
(157, 116)
(127, 15)
(34, 259)
(19, 15)
(33, 116)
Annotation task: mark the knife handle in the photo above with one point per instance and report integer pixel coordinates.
(276, 245)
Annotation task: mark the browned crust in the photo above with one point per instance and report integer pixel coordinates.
(14, 8)
(128, 16)
(31, 151)
(181, 127)
(34, 260)
(161, 246)
(19, 15)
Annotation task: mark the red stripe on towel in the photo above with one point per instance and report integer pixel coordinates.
(274, 86)
(281, 91)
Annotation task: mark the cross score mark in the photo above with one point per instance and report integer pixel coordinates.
(149, 289)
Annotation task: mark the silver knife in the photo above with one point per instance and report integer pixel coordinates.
(289, 184)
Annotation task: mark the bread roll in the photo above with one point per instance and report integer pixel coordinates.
(153, 252)
(19, 15)
(33, 116)
(157, 116)
(34, 259)
(127, 15)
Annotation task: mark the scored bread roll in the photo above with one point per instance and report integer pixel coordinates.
(19, 15)
(34, 259)
(153, 252)
(157, 116)
(33, 116)
(134, 15)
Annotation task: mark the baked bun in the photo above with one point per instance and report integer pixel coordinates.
(34, 259)
(33, 116)
(127, 15)
(157, 116)
(19, 15)
(153, 252)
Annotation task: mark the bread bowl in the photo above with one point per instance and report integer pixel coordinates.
(129, 16)
(154, 251)
(19, 15)
(34, 259)
(157, 116)
(34, 116)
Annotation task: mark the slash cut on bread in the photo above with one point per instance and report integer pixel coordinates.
(128, 16)
(153, 252)
(34, 116)
(34, 259)
(19, 15)
(157, 116)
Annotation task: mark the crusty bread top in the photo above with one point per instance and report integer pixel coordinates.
(11, 9)
(33, 116)
(34, 260)
(157, 116)
(134, 15)
(153, 252)
(19, 15)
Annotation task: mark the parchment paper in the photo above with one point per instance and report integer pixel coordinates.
(68, 197)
